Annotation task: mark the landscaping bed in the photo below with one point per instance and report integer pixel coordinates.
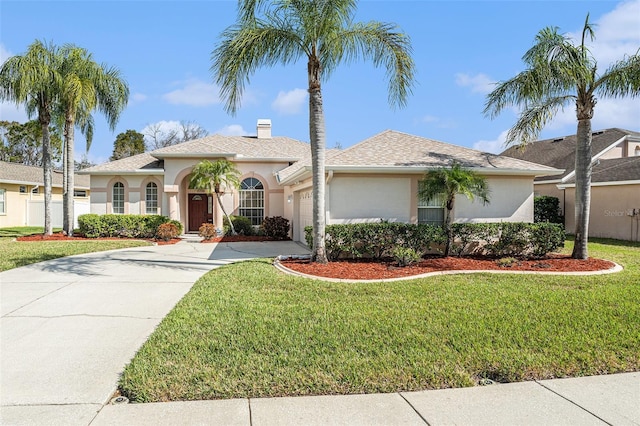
(59, 236)
(369, 269)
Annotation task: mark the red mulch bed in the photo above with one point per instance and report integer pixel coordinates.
(59, 236)
(364, 269)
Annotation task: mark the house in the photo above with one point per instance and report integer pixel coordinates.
(372, 180)
(22, 196)
(615, 180)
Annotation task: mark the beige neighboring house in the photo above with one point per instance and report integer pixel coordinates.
(373, 180)
(615, 180)
(22, 196)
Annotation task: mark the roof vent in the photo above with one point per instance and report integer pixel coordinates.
(264, 128)
(559, 139)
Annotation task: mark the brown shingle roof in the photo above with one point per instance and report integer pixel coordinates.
(30, 175)
(560, 152)
(614, 170)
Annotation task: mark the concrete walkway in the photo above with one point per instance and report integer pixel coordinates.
(70, 325)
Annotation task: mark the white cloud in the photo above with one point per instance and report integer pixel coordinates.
(193, 92)
(479, 83)
(438, 122)
(232, 130)
(291, 102)
(138, 97)
(617, 34)
(495, 146)
(4, 53)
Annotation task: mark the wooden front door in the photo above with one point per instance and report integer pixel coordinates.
(198, 211)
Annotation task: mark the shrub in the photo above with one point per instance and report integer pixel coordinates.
(547, 209)
(276, 227)
(405, 256)
(207, 231)
(123, 225)
(488, 239)
(241, 224)
(167, 231)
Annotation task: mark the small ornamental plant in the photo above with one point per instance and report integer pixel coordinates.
(405, 256)
(167, 231)
(207, 231)
(276, 227)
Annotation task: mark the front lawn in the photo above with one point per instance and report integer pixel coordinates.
(246, 330)
(17, 253)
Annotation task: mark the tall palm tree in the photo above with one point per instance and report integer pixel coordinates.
(323, 33)
(212, 177)
(32, 80)
(85, 87)
(445, 183)
(560, 73)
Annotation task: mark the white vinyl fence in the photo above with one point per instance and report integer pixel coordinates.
(35, 212)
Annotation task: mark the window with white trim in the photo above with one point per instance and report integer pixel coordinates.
(117, 200)
(252, 200)
(431, 212)
(3, 202)
(151, 198)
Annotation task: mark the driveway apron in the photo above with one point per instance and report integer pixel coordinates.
(70, 325)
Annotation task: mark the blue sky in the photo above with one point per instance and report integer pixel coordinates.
(460, 48)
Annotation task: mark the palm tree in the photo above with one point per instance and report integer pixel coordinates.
(558, 74)
(212, 177)
(445, 183)
(85, 87)
(32, 80)
(323, 33)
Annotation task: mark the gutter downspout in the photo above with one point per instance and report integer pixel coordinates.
(327, 198)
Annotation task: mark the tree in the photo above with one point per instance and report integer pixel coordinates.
(84, 163)
(85, 86)
(22, 143)
(212, 177)
(32, 79)
(446, 183)
(127, 144)
(323, 33)
(560, 73)
(159, 137)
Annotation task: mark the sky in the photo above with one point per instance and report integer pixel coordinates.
(460, 48)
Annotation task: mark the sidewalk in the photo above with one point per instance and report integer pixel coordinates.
(70, 325)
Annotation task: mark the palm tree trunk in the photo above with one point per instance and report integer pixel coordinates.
(317, 138)
(583, 189)
(447, 227)
(68, 178)
(45, 119)
(233, 230)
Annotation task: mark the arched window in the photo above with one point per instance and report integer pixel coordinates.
(118, 198)
(252, 200)
(151, 198)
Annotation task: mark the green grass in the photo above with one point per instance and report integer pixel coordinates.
(16, 253)
(246, 330)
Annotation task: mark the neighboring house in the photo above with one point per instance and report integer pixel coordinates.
(22, 196)
(373, 180)
(615, 180)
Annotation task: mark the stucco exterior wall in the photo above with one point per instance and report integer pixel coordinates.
(511, 200)
(134, 193)
(550, 190)
(367, 198)
(611, 210)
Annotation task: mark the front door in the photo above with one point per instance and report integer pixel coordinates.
(198, 211)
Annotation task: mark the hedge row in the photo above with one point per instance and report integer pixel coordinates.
(123, 225)
(379, 240)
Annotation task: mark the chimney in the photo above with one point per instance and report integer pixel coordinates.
(264, 128)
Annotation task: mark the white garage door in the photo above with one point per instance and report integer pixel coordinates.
(305, 213)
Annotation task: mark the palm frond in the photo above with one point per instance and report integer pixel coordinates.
(534, 117)
(621, 78)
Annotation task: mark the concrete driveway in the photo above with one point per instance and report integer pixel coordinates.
(70, 325)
